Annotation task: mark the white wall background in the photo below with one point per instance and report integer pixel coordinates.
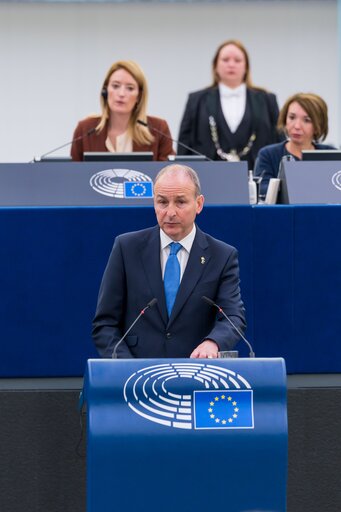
(53, 59)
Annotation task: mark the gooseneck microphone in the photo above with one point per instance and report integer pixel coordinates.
(80, 137)
(149, 305)
(211, 303)
(143, 123)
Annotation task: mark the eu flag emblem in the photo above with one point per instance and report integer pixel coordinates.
(138, 189)
(223, 409)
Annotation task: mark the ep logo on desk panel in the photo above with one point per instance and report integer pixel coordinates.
(336, 180)
(191, 396)
(122, 184)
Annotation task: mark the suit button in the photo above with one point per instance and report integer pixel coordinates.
(168, 335)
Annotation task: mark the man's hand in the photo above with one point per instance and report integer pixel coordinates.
(206, 349)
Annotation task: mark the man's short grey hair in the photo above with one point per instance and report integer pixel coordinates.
(188, 171)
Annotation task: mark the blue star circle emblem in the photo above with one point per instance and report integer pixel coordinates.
(138, 189)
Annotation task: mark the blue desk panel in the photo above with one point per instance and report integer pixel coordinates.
(273, 236)
(155, 419)
(52, 260)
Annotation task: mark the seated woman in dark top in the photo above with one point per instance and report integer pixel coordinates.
(124, 97)
(232, 119)
(304, 119)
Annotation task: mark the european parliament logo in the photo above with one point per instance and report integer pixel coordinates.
(122, 183)
(223, 409)
(336, 180)
(192, 395)
(138, 189)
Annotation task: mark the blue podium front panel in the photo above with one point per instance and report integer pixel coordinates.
(186, 435)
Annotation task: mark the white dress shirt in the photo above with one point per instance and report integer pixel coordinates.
(233, 103)
(183, 253)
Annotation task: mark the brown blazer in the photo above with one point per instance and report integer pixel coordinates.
(161, 146)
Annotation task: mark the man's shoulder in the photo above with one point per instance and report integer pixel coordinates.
(138, 236)
(214, 243)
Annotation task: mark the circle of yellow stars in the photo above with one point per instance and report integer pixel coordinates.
(220, 420)
(138, 185)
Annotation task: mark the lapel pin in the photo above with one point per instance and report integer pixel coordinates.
(202, 260)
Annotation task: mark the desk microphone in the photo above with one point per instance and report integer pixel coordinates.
(211, 303)
(149, 305)
(80, 137)
(288, 158)
(143, 123)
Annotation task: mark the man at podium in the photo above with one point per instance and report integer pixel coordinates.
(170, 266)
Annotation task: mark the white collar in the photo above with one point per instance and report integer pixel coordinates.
(186, 242)
(228, 92)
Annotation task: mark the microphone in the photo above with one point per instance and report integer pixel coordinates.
(288, 158)
(149, 305)
(143, 123)
(211, 303)
(80, 137)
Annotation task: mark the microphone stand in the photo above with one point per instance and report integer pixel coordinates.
(149, 305)
(41, 157)
(210, 301)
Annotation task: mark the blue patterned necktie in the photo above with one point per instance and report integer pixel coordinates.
(171, 280)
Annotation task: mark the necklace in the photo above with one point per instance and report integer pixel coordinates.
(233, 155)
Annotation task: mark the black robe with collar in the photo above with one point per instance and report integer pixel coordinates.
(260, 117)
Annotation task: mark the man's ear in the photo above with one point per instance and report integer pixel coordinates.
(200, 203)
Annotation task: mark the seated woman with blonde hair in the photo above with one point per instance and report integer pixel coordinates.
(304, 120)
(123, 125)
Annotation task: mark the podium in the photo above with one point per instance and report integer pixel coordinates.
(186, 435)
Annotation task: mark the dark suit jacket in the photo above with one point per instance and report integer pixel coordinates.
(161, 146)
(260, 117)
(133, 277)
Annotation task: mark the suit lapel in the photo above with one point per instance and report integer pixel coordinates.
(150, 254)
(213, 102)
(257, 108)
(197, 261)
